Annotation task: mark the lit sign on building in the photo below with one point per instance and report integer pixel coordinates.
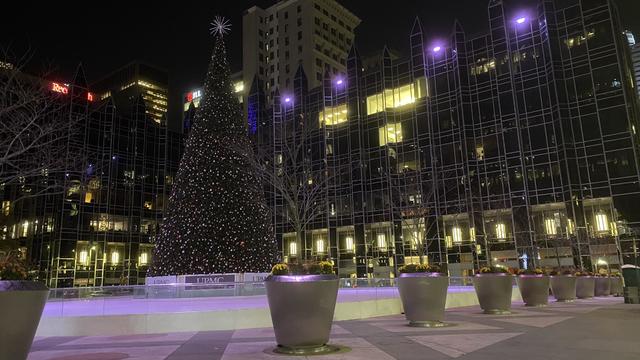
(64, 89)
(194, 95)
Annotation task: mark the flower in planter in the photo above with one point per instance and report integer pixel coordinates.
(13, 268)
(312, 268)
(419, 268)
(583, 273)
(536, 271)
(561, 271)
(495, 270)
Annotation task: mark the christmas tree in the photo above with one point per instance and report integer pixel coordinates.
(217, 220)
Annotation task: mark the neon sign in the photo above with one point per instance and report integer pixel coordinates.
(193, 95)
(62, 89)
(89, 96)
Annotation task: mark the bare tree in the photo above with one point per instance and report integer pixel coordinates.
(34, 132)
(286, 164)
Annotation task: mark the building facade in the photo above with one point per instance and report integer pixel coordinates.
(516, 147)
(314, 33)
(137, 79)
(98, 230)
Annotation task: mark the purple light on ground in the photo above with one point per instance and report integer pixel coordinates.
(521, 20)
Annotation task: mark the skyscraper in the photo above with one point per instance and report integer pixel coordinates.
(133, 80)
(519, 144)
(314, 33)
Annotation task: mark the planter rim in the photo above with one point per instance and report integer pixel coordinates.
(533, 276)
(492, 274)
(22, 285)
(563, 275)
(588, 277)
(301, 278)
(423, 274)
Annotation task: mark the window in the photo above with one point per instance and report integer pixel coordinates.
(286, 14)
(6, 208)
(348, 244)
(320, 249)
(501, 231)
(333, 115)
(398, 97)
(550, 226)
(571, 227)
(83, 258)
(390, 134)
(479, 152)
(381, 241)
(456, 234)
(115, 257)
(316, 21)
(293, 248)
(299, 35)
(602, 224)
(143, 259)
(25, 229)
(299, 8)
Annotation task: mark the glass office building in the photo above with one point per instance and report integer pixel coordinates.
(515, 147)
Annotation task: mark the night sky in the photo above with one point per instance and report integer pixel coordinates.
(174, 35)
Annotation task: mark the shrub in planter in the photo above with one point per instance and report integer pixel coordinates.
(563, 285)
(603, 285)
(494, 286)
(585, 284)
(423, 291)
(616, 284)
(534, 286)
(21, 303)
(302, 300)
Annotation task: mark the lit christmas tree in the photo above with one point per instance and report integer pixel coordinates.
(217, 220)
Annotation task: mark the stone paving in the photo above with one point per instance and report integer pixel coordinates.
(600, 328)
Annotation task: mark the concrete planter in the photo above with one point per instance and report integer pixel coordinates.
(534, 289)
(616, 286)
(564, 287)
(21, 305)
(603, 286)
(423, 298)
(585, 287)
(302, 311)
(494, 292)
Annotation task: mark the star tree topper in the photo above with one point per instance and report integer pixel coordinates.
(220, 26)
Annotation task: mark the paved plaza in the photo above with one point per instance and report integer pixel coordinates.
(600, 328)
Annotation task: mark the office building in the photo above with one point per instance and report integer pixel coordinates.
(516, 147)
(275, 40)
(134, 80)
(98, 229)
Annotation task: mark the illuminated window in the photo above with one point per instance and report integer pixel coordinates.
(480, 152)
(478, 249)
(448, 241)
(83, 257)
(501, 231)
(115, 257)
(238, 87)
(390, 134)
(416, 240)
(88, 197)
(25, 229)
(571, 227)
(6, 208)
(483, 65)
(148, 205)
(472, 233)
(456, 234)
(614, 229)
(397, 97)
(293, 248)
(381, 240)
(333, 115)
(143, 259)
(348, 243)
(320, 246)
(579, 39)
(602, 223)
(550, 226)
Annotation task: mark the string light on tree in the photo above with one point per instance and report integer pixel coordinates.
(217, 218)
